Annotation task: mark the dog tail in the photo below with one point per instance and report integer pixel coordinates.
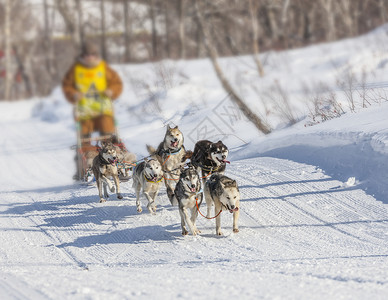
(151, 150)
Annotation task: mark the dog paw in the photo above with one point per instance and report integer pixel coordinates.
(102, 200)
(119, 196)
(235, 230)
(185, 232)
(219, 233)
(139, 209)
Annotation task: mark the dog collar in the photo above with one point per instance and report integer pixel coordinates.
(103, 161)
(173, 152)
(210, 168)
(149, 180)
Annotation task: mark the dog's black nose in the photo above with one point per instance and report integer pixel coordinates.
(232, 207)
(223, 156)
(193, 185)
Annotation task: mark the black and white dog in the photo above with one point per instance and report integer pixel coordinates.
(210, 157)
(188, 194)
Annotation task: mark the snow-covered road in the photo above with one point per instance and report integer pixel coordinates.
(302, 235)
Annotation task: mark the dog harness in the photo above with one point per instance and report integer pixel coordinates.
(152, 181)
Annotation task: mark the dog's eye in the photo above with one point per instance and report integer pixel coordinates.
(228, 197)
(235, 197)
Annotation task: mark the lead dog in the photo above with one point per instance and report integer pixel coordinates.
(223, 192)
(147, 176)
(188, 194)
(171, 154)
(104, 166)
(210, 157)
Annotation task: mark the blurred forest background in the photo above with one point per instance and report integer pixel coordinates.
(41, 38)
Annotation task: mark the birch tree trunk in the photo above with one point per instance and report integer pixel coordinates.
(127, 31)
(212, 52)
(329, 11)
(48, 45)
(255, 39)
(167, 24)
(182, 37)
(80, 22)
(66, 10)
(154, 34)
(8, 50)
(383, 12)
(103, 30)
(284, 22)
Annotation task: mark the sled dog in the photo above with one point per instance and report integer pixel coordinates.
(124, 158)
(104, 166)
(187, 193)
(210, 157)
(223, 192)
(147, 176)
(171, 154)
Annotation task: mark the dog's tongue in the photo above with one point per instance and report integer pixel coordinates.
(174, 144)
(233, 210)
(193, 189)
(226, 161)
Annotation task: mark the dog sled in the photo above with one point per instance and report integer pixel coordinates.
(88, 148)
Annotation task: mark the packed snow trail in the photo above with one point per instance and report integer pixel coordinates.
(302, 234)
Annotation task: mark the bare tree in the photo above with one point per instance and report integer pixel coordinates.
(255, 40)
(154, 32)
(328, 7)
(127, 31)
(48, 45)
(212, 52)
(284, 22)
(182, 37)
(80, 22)
(66, 9)
(383, 11)
(168, 29)
(8, 49)
(103, 30)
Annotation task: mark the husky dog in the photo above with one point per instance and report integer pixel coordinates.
(171, 154)
(188, 194)
(147, 176)
(124, 157)
(223, 192)
(210, 157)
(104, 166)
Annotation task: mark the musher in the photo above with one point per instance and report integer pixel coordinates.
(91, 85)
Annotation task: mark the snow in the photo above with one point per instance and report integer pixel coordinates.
(313, 217)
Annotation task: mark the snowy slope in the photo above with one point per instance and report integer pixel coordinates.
(306, 231)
